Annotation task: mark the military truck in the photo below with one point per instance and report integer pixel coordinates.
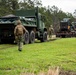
(31, 20)
(66, 28)
(74, 25)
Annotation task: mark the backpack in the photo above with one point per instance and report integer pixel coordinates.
(19, 30)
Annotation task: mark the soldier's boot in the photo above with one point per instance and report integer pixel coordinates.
(20, 49)
(20, 46)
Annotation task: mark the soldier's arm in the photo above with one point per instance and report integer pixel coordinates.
(24, 29)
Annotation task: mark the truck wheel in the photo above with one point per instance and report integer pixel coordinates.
(44, 38)
(32, 37)
(26, 37)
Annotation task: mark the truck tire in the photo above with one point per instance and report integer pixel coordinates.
(26, 37)
(32, 37)
(44, 38)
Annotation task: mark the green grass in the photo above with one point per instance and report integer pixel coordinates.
(38, 56)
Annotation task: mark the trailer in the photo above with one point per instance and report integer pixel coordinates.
(32, 20)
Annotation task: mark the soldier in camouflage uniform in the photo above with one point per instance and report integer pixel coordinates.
(51, 30)
(19, 32)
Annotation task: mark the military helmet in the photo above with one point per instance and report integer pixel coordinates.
(18, 22)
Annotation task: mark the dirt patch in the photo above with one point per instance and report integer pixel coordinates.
(52, 71)
(60, 73)
(67, 73)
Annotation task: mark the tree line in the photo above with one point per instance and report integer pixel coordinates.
(52, 15)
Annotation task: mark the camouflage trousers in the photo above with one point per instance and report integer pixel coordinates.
(19, 40)
(50, 34)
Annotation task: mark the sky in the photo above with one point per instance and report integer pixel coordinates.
(64, 5)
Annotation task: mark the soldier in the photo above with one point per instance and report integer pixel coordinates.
(51, 31)
(19, 32)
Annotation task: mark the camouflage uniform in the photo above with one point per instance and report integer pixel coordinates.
(19, 32)
(51, 31)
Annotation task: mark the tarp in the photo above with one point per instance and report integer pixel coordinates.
(10, 15)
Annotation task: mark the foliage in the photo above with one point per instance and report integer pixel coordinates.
(8, 7)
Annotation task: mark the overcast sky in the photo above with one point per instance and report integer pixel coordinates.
(64, 5)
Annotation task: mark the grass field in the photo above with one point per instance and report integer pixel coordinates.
(38, 56)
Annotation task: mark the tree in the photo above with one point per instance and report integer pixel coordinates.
(13, 5)
(74, 13)
(3, 5)
(37, 3)
(29, 4)
(8, 7)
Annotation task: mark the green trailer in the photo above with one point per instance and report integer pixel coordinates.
(31, 20)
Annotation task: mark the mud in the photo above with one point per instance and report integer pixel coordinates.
(67, 73)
